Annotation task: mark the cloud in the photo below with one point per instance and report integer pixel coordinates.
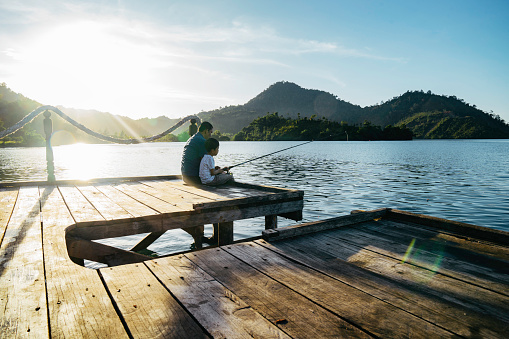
(86, 55)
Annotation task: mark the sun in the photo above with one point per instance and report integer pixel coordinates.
(83, 63)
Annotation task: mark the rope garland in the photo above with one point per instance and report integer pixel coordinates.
(31, 116)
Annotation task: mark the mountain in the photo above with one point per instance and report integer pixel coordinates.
(287, 99)
(433, 116)
(110, 124)
(428, 115)
(14, 107)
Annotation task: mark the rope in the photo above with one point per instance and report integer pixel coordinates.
(73, 122)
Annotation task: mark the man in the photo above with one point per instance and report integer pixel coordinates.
(194, 150)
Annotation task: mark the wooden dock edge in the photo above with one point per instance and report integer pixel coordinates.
(322, 225)
(88, 181)
(458, 228)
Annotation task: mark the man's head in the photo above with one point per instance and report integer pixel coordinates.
(205, 129)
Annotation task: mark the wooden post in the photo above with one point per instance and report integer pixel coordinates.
(225, 234)
(270, 222)
(147, 241)
(48, 130)
(197, 234)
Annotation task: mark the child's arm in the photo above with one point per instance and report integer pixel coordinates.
(217, 170)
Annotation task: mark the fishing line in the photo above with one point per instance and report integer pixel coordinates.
(284, 149)
(266, 155)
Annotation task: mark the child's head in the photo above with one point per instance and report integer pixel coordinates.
(212, 146)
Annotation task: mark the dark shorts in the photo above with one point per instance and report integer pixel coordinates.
(220, 179)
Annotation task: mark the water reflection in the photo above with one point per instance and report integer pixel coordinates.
(79, 161)
(452, 179)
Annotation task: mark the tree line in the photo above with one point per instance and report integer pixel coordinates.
(278, 128)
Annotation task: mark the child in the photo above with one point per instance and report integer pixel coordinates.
(209, 173)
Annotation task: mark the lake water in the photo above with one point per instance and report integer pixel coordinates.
(462, 180)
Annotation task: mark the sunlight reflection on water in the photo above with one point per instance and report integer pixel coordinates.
(463, 180)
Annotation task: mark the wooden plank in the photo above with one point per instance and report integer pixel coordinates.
(373, 315)
(166, 196)
(488, 255)
(291, 312)
(241, 193)
(232, 192)
(432, 259)
(454, 242)
(219, 310)
(230, 214)
(170, 194)
(73, 182)
(81, 209)
(78, 304)
(8, 198)
(217, 197)
(258, 199)
(209, 192)
(132, 206)
(134, 191)
(148, 308)
(266, 188)
(221, 193)
(322, 225)
(457, 309)
(369, 257)
(117, 228)
(196, 232)
(108, 208)
(482, 233)
(22, 291)
(112, 256)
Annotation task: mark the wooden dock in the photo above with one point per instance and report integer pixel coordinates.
(382, 273)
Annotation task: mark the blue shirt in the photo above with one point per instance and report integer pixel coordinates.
(194, 150)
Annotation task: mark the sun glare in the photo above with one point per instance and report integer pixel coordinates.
(83, 63)
(79, 161)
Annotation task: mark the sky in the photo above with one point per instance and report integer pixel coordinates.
(176, 58)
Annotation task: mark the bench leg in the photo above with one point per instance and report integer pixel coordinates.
(270, 222)
(147, 241)
(197, 234)
(225, 233)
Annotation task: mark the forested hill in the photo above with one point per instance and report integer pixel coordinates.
(437, 117)
(14, 107)
(428, 115)
(287, 99)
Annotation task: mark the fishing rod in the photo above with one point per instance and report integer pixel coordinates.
(266, 155)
